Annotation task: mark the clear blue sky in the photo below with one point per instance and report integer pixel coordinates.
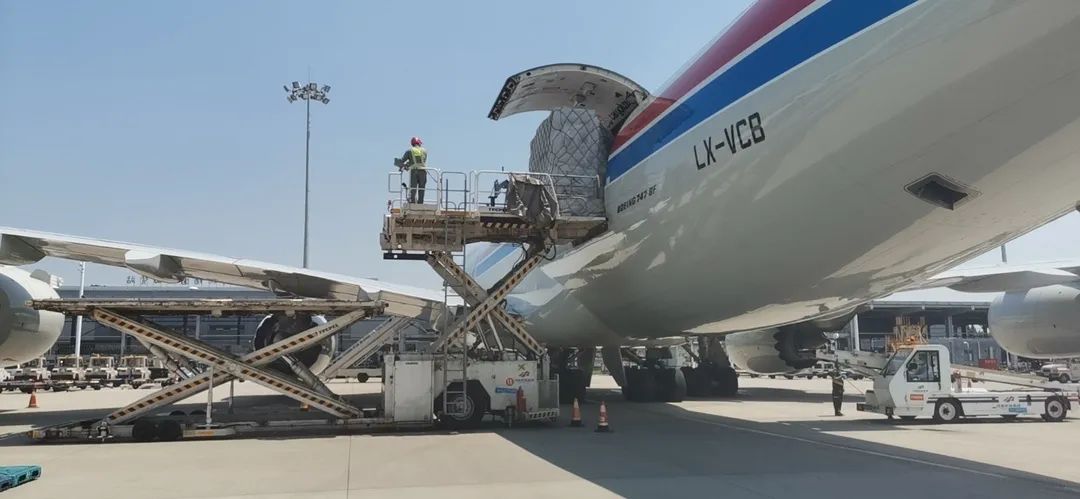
(165, 123)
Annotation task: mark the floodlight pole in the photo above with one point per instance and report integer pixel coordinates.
(307, 178)
(308, 92)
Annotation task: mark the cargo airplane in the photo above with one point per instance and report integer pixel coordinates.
(816, 155)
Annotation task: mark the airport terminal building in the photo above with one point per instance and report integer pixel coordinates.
(956, 320)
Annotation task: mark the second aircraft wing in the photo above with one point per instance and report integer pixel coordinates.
(1000, 278)
(22, 247)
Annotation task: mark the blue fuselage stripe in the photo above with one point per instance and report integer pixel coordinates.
(830, 24)
(503, 251)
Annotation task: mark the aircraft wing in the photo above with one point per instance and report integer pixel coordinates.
(1000, 278)
(22, 247)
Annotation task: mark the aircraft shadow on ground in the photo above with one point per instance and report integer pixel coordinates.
(764, 394)
(700, 452)
(656, 449)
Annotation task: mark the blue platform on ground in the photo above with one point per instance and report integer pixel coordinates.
(11, 476)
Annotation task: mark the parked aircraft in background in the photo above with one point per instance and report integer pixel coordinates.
(25, 333)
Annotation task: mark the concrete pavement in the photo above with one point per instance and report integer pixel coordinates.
(777, 439)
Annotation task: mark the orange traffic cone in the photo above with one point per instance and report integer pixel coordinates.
(575, 415)
(33, 401)
(602, 425)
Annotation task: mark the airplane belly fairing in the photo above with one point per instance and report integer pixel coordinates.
(814, 218)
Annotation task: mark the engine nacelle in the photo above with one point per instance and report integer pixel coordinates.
(1039, 323)
(276, 327)
(25, 333)
(774, 351)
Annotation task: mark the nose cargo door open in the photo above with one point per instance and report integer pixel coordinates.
(587, 105)
(612, 96)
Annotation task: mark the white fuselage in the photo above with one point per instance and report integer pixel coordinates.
(814, 219)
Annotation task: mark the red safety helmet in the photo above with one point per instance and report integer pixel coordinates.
(416, 141)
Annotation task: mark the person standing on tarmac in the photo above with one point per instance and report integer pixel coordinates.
(837, 392)
(415, 160)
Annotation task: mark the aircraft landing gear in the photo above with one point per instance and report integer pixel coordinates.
(714, 375)
(649, 384)
(651, 380)
(709, 379)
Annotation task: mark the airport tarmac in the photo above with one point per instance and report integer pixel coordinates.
(777, 439)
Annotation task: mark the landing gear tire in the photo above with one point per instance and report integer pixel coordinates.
(476, 405)
(1055, 410)
(697, 381)
(641, 385)
(671, 386)
(169, 431)
(658, 385)
(725, 381)
(144, 430)
(946, 411)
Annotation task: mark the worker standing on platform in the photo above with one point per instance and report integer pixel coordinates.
(837, 392)
(415, 160)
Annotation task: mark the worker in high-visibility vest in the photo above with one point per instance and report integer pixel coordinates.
(837, 391)
(415, 160)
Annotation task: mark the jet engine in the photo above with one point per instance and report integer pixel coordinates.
(781, 350)
(1038, 323)
(773, 351)
(25, 333)
(276, 327)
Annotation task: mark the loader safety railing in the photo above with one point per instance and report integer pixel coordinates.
(444, 190)
(484, 191)
(572, 192)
